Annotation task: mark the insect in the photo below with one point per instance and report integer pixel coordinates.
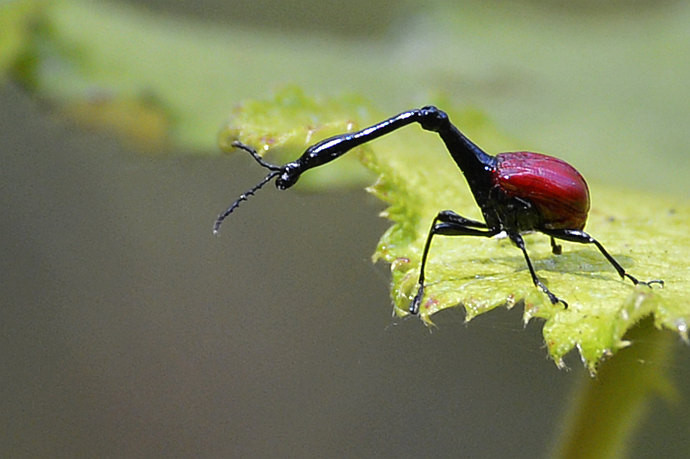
(517, 192)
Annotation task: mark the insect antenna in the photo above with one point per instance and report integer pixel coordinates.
(243, 197)
(275, 170)
(255, 155)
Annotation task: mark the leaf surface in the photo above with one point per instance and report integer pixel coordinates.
(417, 179)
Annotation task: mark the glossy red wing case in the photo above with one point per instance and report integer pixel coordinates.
(553, 186)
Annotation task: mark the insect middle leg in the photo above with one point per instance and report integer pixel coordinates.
(447, 223)
(584, 238)
(556, 248)
(517, 239)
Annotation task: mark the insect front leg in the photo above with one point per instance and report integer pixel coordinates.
(447, 223)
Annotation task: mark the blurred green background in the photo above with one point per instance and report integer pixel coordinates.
(128, 330)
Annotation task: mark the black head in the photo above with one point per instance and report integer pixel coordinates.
(287, 176)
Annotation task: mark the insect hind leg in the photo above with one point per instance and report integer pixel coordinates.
(584, 238)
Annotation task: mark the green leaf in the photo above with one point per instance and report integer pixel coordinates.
(417, 179)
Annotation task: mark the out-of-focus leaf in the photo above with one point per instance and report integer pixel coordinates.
(16, 20)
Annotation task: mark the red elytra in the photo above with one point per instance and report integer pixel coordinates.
(553, 186)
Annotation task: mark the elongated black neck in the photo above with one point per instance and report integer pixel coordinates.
(475, 163)
(472, 160)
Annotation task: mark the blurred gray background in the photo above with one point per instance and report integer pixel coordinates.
(128, 330)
